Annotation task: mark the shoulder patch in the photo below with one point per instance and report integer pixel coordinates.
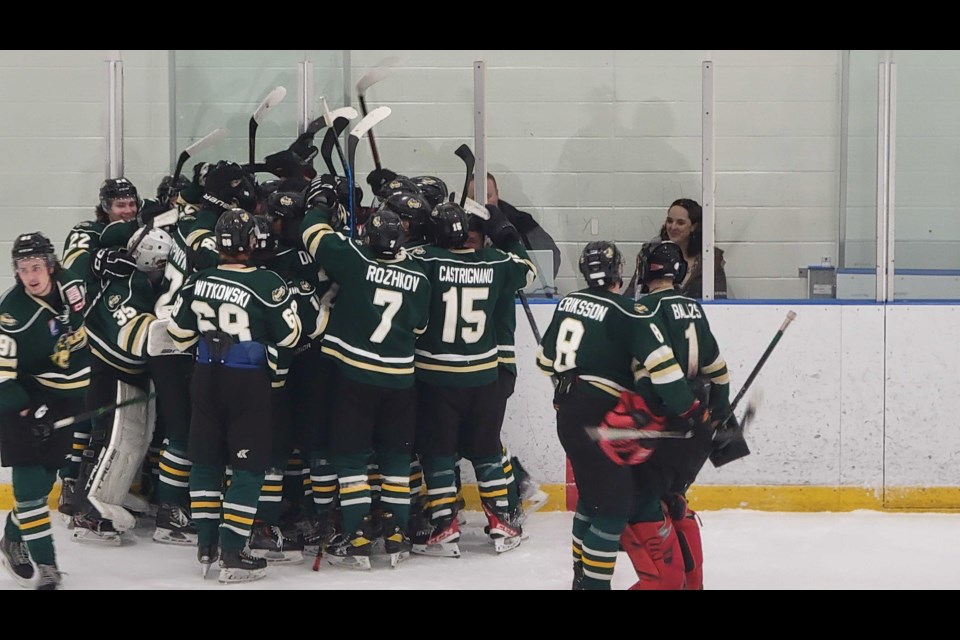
(7, 320)
(74, 297)
(113, 301)
(417, 251)
(639, 308)
(278, 294)
(305, 286)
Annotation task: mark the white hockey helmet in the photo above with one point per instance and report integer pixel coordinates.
(150, 248)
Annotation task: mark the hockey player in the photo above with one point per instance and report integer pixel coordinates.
(118, 324)
(588, 349)
(457, 360)
(44, 372)
(680, 359)
(118, 201)
(431, 188)
(244, 323)
(381, 308)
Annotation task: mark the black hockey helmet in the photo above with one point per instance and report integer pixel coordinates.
(236, 232)
(449, 224)
(383, 233)
(288, 207)
(601, 263)
(33, 245)
(661, 259)
(114, 188)
(400, 184)
(412, 208)
(433, 189)
(167, 190)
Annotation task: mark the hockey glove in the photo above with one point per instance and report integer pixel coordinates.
(343, 193)
(112, 264)
(499, 229)
(42, 425)
(380, 177)
(322, 192)
(630, 414)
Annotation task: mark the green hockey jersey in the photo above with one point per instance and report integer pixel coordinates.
(381, 307)
(43, 347)
(250, 304)
(307, 284)
(677, 345)
(119, 319)
(460, 347)
(78, 249)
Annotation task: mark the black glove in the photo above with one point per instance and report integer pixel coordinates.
(151, 211)
(379, 177)
(288, 164)
(112, 264)
(343, 193)
(322, 192)
(226, 185)
(42, 422)
(498, 228)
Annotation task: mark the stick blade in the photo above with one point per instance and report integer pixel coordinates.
(473, 207)
(372, 119)
(207, 141)
(383, 69)
(273, 98)
(464, 153)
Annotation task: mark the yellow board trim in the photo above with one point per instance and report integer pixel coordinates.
(794, 498)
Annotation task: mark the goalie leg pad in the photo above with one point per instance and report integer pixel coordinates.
(654, 550)
(688, 532)
(120, 462)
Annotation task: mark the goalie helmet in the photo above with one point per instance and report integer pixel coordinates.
(661, 259)
(236, 232)
(383, 233)
(33, 245)
(449, 224)
(150, 248)
(115, 188)
(601, 264)
(433, 189)
(413, 209)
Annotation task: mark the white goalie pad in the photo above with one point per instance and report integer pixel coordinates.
(159, 342)
(119, 464)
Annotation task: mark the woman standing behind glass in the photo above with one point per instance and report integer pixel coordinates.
(683, 226)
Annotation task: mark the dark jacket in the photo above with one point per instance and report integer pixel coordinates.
(532, 234)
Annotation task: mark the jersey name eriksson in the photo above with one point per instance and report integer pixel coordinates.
(584, 308)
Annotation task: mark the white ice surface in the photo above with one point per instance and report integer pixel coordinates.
(743, 550)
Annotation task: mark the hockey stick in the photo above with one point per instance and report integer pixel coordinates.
(363, 127)
(208, 140)
(96, 413)
(341, 119)
(273, 99)
(721, 433)
(367, 80)
(464, 153)
(336, 141)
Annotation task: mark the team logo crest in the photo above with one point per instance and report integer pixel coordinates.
(286, 201)
(278, 294)
(113, 301)
(8, 320)
(608, 252)
(305, 286)
(413, 204)
(396, 184)
(377, 221)
(639, 308)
